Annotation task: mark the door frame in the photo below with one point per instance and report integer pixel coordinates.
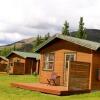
(66, 68)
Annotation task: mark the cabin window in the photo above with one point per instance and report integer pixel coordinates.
(18, 60)
(49, 61)
(11, 64)
(70, 56)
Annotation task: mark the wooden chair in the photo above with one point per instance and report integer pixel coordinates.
(53, 79)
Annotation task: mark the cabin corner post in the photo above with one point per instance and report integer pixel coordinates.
(91, 72)
(90, 78)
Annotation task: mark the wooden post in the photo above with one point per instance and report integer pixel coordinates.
(24, 66)
(68, 75)
(91, 71)
(31, 66)
(37, 67)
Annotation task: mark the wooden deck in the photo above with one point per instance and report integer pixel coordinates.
(44, 88)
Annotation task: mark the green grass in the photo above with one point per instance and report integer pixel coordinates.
(9, 93)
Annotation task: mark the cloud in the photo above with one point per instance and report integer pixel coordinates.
(10, 37)
(25, 18)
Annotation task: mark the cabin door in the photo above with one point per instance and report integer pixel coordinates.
(69, 56)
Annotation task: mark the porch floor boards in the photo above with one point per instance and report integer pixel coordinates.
(45, 88)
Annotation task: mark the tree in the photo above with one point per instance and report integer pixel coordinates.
(14, 47)
(39, 40)
(81, 31)
(5, 51)
(47, 36)
(65, 29)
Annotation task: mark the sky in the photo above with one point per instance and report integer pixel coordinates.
(20, 19)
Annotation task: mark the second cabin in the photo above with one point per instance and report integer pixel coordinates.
(23, 62)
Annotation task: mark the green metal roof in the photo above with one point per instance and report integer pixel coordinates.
(26, 54)
(82, 42)
(4, 58)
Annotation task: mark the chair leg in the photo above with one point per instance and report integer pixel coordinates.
(48, 82)
(54, 82)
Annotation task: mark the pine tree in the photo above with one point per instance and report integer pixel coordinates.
(65, 29)
(39, 40)
(14, 47)
(81, 31)
(47, 36)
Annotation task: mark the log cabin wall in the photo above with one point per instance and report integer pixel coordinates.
(16, 68)
(95, 74)
(60, 47)
(79, 74)
(3, 65)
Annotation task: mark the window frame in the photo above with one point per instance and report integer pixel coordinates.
(48, 61)
(70, 53)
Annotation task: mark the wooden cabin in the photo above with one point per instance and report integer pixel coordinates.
(23, 62)
(75, 61)
(3, 64)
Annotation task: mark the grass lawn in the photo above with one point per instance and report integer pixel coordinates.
(9, 93)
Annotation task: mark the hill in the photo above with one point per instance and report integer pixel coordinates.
(92, 34)
(23, 45)
(28, 44)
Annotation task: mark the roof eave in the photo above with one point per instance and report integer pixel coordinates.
(15, 53)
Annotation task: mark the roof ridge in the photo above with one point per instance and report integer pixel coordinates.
(26, 54)
(77, 38)
(82, 42)
(3, 57)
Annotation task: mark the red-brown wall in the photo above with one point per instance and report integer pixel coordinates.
(96, 65)
(18, 68)
(25, 66)
(3, 65)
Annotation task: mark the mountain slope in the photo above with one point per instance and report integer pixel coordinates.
(92, 34)
(28, 44)
(22, 45)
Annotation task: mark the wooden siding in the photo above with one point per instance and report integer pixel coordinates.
(15, 69)
(23, 66)
(60, 48)
(79, 74)
(3, 65)
(96, 65)
(18, 68)
(30, 66)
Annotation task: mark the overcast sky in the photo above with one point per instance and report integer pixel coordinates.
(21, 19)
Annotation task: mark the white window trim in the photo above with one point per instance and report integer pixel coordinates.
(47, 61)
(70, 53)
